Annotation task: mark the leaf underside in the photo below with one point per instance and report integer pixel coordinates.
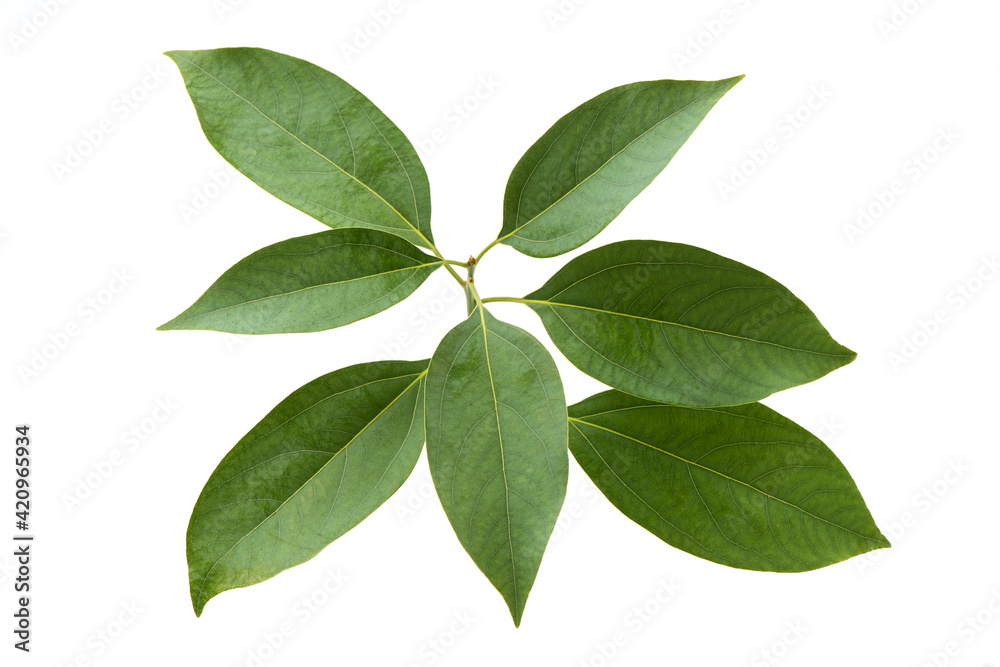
(321, 461)
(596, 159)
(496, 446)
(310, 283)
(741, 486)
(310, 139)
(678, 324)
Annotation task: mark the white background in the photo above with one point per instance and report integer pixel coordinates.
(899, 426)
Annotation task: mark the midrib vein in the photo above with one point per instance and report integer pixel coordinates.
(553, 304)
(337, 166)
(605, 164)
(503, 462)
(724, 476)
(281, 295)
(304, 484)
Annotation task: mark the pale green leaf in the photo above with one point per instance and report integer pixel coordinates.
(311, 283)
(496, 445)
(741, 486)
(321, 461)
(310, 139)
(581, 173)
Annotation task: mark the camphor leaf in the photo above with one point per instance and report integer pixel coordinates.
(496, 446)
(321, 461)
(667, 325)
(741, 486)
(678, 324)
(310, 139)
(310, 283)
(580, 175)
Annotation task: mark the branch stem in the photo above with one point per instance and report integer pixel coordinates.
(486, 249)
(507, 299)
(471, 295)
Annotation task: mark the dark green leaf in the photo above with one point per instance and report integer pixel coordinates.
(496, 445)
(678, 324)
(310, 283)
(310, 139)
(595, 160)
(321, 461)
(741, 486)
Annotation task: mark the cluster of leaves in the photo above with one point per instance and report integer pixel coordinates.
(688, 340)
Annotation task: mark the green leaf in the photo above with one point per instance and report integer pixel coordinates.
(496, 446)
(678, 324)
(310, 139)
(597, 158)
(310, 283)
(321, 461)
(741, 486)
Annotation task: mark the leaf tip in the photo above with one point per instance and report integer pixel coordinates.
(732, 81)
(515, 604)
(197, 602)
(180, 57)
(849, 354)
(179, 323)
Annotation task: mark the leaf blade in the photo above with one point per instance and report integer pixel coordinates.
(285, 451)
(678, 324)
(269, 115)
(588, 166)
(310, 283)
(496, 446)
(772, 497)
